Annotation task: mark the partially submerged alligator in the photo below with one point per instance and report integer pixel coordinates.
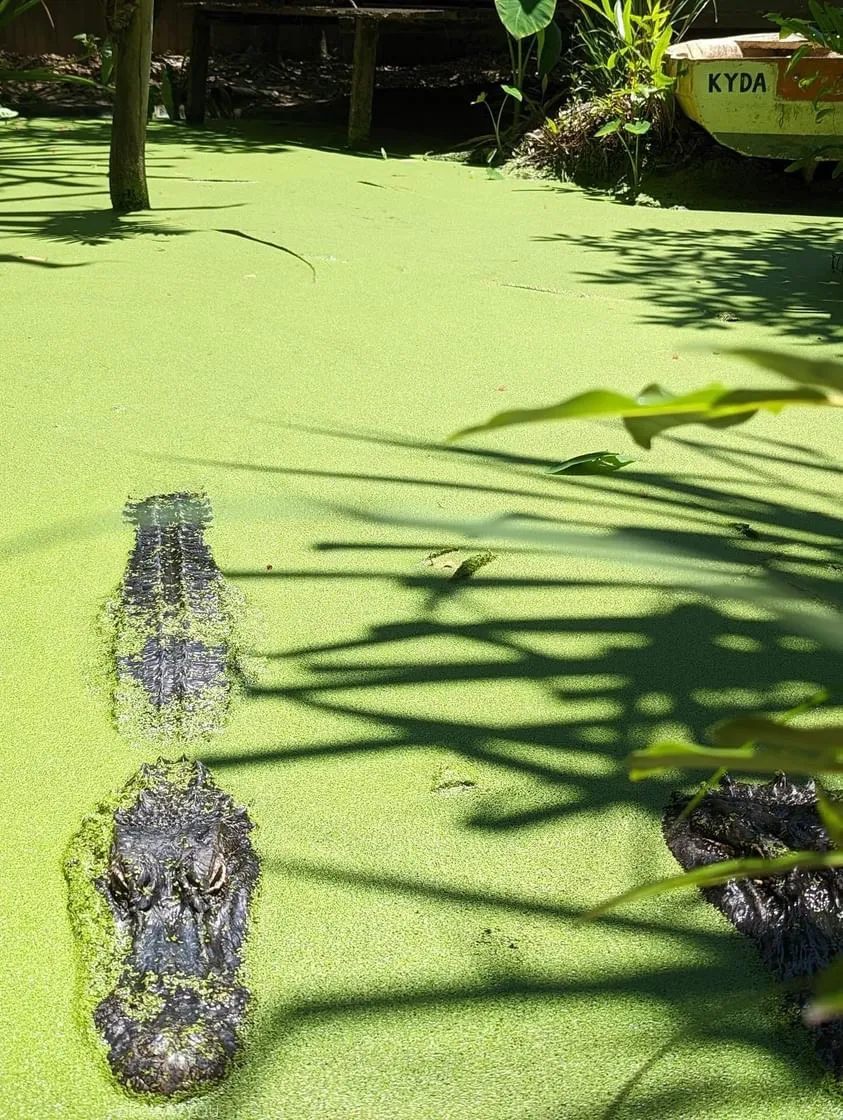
(161, 883)
(795, 919)
(173, 623)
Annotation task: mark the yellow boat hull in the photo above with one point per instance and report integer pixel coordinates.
(745, 91)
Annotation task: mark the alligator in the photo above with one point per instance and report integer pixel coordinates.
(172, 623)
(160, 884)
(796, 919)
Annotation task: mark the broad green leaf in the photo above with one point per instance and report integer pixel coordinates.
(479, 99)
(805, 371)
(750, 758)
(525, 17)
(593, 462)
(828, 1000)
(656, 409)
(831, 814)
(12, 9)
(608, 129)
(44, 75)
(797, 57)
(659, 47)
(716, 874)
(550, 48)
(637, 128)
(745, 729)
(513, 91)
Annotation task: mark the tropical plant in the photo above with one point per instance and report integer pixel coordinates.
(619, 58)
(824, 28)
(636, 129)
(101, 50)
(535, 45)
(11, 10)
(750, 743)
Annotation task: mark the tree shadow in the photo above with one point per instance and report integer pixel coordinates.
(624, 664)
(714, 279)
(712, 999)
(617, 678)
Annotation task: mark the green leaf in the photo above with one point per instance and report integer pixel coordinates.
(44, 75)
(751, 758)
(797, 56)
(550, 48)
(750, 729)
(828, 1002)
(513, 91)
(525, 17)
(831, 814)
(805, 371)
(593, 462)
(716, 874)
(12, 9)
(655, 409)
(638, 128)
(608, 128)
(479, 99)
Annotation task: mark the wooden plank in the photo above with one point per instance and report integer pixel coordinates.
(197, 76)
(362, 80)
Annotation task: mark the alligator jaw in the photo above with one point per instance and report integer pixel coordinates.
(169, 1035)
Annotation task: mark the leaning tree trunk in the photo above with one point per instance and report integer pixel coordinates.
(130, 26)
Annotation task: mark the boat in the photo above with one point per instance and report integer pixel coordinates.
(750, 95)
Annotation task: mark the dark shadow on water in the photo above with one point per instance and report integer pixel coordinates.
(718, 278)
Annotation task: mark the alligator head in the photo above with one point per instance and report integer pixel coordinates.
(177, 883)
(795, 919)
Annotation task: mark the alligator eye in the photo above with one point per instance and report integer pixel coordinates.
(216, 879)
(117, 881)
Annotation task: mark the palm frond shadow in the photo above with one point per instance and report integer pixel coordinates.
(715, 279)
(712, 999)
(618, 677)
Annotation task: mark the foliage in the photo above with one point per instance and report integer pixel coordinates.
(622, 46)
(824, 27)
(593, 462)
(94, 47)
(655, 410)
(534, 39)
(751, 743)
(11, 9)
(523, 18)
(636, 129)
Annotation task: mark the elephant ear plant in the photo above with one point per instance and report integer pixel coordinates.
(534, 39)
(622, 102)
(776, 849)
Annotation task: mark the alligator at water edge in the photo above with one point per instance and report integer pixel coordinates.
(160, 885)
(795, 919)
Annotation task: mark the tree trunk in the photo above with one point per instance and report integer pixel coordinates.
(131, 29)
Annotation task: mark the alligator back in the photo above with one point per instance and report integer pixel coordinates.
(173, 623)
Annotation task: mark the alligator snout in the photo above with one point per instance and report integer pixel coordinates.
(171, 1035)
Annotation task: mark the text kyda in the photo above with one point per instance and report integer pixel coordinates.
(741, 82)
